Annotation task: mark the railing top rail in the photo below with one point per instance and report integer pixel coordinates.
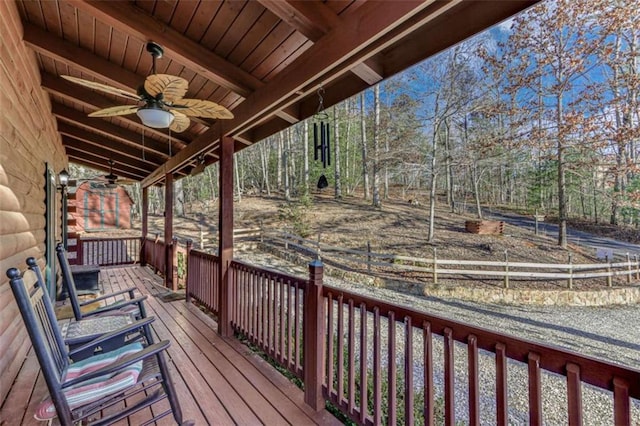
(302, 282)
(109, 238)
(202, 254)
(593, 371)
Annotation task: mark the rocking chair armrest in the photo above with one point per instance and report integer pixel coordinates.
(107, 296)
(118, 305)
(122, 331)
(125, 361)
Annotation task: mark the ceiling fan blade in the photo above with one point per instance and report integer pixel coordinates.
(102, 87)
(202, 108)
(180, 121)
(172, 87)
(116, 110)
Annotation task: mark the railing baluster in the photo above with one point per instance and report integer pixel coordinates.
(340, 334)
(574, 394)
(449, 378)
(290, 320)
(428, 374)
(621, 403)
(535, 389)
(282, 319)
(363, 363)
(351, 343)
(501, 384)
(408, 372)
(298, 307)
(330, 344)
(474, 389)
(377, 369)
(269, 323)
(392, 375)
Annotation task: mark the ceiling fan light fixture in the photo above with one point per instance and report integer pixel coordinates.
(155, 117)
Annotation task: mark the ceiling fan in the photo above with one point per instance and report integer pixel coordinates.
(111, 180)
(162, 98)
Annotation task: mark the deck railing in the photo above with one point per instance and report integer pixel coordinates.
(202, 278)
(381, 363)
(385, 362)
(268, 312)
(108, 251)
(155, 253)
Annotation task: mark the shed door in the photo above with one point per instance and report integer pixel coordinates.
(101, 210)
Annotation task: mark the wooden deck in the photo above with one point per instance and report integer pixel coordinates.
(219, 381)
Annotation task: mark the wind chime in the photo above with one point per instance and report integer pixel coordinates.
(322, 139)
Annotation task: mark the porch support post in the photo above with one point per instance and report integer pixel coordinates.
(145, 224)
(225, 235)
(168, 231)
(313, 320)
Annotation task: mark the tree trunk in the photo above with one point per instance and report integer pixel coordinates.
(363, 131)
(336, 149)
(305, 155)
(285, 162)
(376, 147)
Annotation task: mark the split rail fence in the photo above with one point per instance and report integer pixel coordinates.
(503, 270)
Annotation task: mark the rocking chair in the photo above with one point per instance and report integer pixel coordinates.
(77, 333)
(92, 391)
(133, 305)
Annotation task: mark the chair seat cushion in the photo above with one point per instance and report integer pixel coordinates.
(99, 387)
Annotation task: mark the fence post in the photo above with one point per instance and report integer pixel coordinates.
(570, 271)
(629, 267)
(506, 269)
(318, 248)
(609, 278)
(186, 263)
(261, 231)
(313, 329)
(637, 267)
(435, 265)
(174, 264)
(369, 256)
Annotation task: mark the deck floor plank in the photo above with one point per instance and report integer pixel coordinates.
(219, 381)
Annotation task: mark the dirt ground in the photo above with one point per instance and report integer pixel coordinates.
(399, 227)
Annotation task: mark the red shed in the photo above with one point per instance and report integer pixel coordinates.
(100, 207)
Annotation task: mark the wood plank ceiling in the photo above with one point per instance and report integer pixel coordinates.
(264, 60)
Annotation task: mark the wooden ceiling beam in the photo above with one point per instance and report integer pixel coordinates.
(94, 101)
(102, 163)
(78, 58)
(314, 19)
(371, 28)
(116, 147)
(134, 21)
(95, 149)
(111, 131)
(471, 17)
(98, 167)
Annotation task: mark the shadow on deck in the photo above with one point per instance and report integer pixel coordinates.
(219, 381)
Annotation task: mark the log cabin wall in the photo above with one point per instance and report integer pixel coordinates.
(28, 141)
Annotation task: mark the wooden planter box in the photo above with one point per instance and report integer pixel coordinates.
(484, 227)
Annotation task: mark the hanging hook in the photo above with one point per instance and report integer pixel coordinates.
(319, 114)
